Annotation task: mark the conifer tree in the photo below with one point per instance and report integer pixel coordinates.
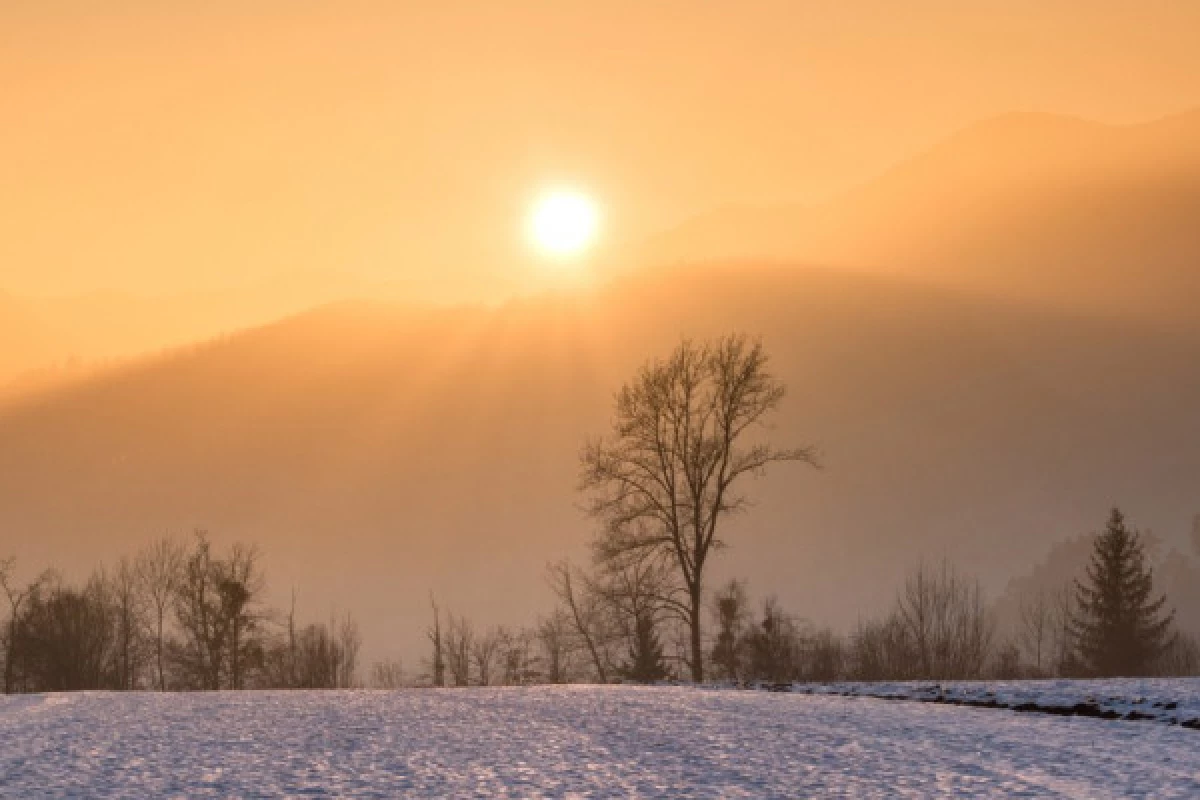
(645, 663)
(1119, 628)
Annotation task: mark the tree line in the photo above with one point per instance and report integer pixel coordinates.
(610, 627)
(177, 616)
(687, 436)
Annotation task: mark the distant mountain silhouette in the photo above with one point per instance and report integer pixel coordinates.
(44, 341)
(377, 453)
(1038, 207)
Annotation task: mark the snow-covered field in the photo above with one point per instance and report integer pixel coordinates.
(574, 742)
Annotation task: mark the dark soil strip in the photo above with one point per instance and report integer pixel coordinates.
(1077, 710)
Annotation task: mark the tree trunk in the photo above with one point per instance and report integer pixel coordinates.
(162, 683)
(9, 658)
(235, 666)
(697, 647)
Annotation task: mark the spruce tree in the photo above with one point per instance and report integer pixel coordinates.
(645, 663)
(1119, 628)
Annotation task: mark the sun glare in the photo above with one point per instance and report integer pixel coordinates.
(563, 222)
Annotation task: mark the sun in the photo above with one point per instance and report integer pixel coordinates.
(563, 222)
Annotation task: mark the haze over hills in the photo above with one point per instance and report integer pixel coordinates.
(377, 453)
(49, 340)
(19, 327)
(1037, 207)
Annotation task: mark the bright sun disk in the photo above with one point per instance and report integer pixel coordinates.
(563, 222)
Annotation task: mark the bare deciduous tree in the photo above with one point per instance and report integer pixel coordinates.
(314, 656)
(825, 656)
(881, 650)
(199, 654)
(349, 639)
(516, 656)
(68, 638)
(129, 608)
(1006, 665)
(158, 569)
(293, 651)
(730, 607)
(1037, 619)
(17, 595)
(216, 609)
(1180, 659)
(437, 661)
(584, 606)
(669, 472)
(1063, 627)
(239, 583)
(460, 636)
(553, 634)
(484, 650)
(387, 675)
(946, 620)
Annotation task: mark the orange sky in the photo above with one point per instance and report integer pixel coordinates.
(153, 148)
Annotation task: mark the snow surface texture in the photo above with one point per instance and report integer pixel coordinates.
(616, 741)
(1175, 701)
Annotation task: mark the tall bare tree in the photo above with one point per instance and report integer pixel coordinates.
(437, 662)
(460, 636)
(291, 660)
(553, 633)
(314, 656)
(349, 639)
(217, 612)
(158, 568)
(240, 583)
(200, 653)
(124, 595)
(1063, 632)
(584, 606)
(670, 469)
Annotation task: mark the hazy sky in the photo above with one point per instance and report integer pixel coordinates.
(159, 146)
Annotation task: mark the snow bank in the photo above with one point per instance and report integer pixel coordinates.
(1174, 701)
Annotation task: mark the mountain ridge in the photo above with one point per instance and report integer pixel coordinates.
(1040, 208)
